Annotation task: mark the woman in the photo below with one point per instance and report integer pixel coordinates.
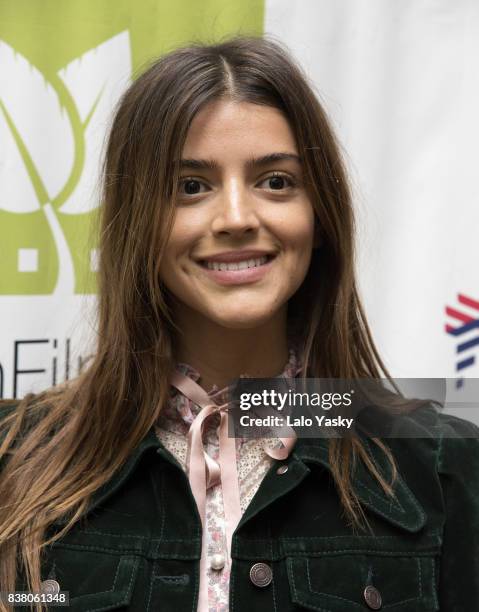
(219, 154)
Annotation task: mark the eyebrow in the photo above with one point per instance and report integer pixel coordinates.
(254, 162)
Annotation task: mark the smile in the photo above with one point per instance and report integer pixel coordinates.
(239, 272)
(237, 265)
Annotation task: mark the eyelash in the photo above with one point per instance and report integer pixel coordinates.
(292, 181)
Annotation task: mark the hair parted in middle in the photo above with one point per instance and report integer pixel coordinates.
(77, 435)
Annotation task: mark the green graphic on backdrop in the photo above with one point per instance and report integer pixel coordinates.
(63, 66)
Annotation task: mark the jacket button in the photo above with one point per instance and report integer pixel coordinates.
(50, 587)
(261, 574)
(282, 469)
(373, 597)
(217, 561)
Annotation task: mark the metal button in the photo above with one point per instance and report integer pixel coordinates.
(50, 587)
(217, 561)
(373, 597)
(282, 469)
(261, 574)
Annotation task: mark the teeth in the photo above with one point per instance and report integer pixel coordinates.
(240, 265)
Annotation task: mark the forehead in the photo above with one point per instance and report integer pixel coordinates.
(224, 127)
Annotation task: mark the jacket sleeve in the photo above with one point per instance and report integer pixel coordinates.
(458, 466)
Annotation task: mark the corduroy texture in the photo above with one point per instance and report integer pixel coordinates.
(139, 545)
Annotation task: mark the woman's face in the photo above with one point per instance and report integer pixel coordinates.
(230, 200)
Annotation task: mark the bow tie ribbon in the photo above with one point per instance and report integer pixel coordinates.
(203, 471)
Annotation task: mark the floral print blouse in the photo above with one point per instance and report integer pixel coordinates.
(252, 461)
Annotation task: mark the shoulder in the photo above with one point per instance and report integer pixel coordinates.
(436, 454)
(446, 438)
(11, 407)
(457, 427)
(7, 406)
(8, 409)
(29, 410)
(440, 463)
(458, 451)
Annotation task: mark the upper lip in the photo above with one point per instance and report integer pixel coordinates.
(232, 256)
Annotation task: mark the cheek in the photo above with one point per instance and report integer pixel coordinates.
(176, 266)
(300, 235)
(299, 240)
(181, 240)
(170, 263)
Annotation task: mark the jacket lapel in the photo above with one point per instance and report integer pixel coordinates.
(403, 510)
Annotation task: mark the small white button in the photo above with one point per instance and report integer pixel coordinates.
(217, 561)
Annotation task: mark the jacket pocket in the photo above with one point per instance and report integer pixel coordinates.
(94, 580)
(361, 582)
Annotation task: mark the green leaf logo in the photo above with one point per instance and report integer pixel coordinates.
(52, 130)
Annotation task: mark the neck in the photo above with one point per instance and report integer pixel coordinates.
(222, 354)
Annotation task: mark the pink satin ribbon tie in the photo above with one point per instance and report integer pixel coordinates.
(204, 472)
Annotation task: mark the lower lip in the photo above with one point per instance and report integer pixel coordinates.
(238, 277)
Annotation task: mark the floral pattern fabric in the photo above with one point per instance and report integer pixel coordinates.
(252, 461)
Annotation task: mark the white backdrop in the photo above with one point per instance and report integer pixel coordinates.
(400, 81)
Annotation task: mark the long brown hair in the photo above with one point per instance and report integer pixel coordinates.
(63, 444)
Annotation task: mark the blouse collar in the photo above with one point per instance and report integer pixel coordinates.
(180, 412)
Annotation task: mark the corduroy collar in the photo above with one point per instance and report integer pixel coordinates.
(404, 511)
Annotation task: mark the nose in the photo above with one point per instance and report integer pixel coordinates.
(236, 212)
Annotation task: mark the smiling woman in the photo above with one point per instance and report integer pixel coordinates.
(241, 242)
(227, 251)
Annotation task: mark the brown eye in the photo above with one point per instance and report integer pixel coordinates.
(191, 186)
(279, 182)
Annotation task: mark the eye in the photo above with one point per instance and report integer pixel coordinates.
(191, 186)
(279, 181)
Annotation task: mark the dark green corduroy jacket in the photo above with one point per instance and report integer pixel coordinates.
(138, 547)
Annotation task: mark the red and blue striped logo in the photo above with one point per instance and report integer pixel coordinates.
(466, 329)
